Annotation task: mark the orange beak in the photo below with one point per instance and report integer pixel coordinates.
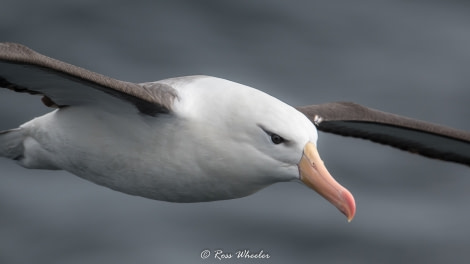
(315, 175)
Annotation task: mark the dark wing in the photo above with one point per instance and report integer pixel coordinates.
(62, 84)
(353, 120)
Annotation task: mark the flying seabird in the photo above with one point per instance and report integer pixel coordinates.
(193, 138)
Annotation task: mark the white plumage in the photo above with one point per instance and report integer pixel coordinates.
(215, 144)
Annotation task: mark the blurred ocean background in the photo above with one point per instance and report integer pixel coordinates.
(406, 57)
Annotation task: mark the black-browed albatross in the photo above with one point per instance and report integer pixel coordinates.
(193, 138)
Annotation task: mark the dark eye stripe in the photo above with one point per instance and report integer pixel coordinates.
(276, 139)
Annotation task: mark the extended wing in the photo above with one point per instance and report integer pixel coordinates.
(353, 120)
(62, 84)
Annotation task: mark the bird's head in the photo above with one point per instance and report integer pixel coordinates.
(260, 140)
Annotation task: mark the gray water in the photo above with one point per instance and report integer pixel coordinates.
(407, 57)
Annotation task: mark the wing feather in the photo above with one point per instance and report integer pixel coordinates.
(63, 84)
(423, 138)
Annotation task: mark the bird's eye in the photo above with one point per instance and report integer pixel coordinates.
(276, 139)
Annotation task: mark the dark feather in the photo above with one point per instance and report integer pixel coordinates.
(62, 84)
(427, 139)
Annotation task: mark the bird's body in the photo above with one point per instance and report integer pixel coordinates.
(191, 155)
